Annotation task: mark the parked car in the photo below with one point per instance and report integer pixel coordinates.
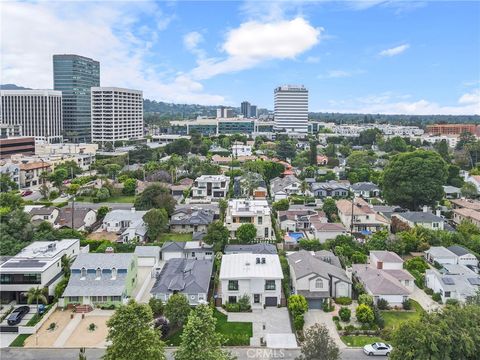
(17, 315)
(27, 192)
(377, 349)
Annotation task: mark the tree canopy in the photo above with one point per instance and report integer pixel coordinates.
(246, 233)
(155, 196)
(414, 179)
(132, 336)
(217, 235)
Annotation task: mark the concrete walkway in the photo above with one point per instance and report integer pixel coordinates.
(425, 301)
(313, 317)
(264, 321)
(67, 331)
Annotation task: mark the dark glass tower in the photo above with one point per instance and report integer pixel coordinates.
(74, 75)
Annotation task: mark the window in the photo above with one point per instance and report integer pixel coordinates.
(269, 284)
(266, 232)
(260, 220)
(435, 225)
(319, 284)
(447, 294)
(233, 285)
(407, 282)
(116, 298)
(98, 274)
(83, 273)
(201, 297)
(193, 254)
(74, 299)
(232, 299)
(114, 273)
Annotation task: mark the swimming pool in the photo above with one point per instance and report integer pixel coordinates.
(296, 235)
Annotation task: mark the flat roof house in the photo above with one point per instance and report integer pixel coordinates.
(210, 187)
(37, 265)
(256, 212)
(258, 276)
(197, 250)
(101, 279)
(185, 276)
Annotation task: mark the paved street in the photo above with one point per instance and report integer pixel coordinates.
(96, 354)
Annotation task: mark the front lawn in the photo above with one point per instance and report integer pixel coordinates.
(175, 237)
(234, 333)
(394, 318)
(360, 340)
(124, 199)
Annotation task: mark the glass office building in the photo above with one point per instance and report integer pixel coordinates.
(74, 75)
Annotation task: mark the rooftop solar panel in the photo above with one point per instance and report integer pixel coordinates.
(448, 281)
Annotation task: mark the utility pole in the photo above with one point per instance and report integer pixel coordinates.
(353, 209)
(73, 209)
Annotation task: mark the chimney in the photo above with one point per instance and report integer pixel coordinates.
(438, 212)
(109, 250)
(425, 208)
(132, 209)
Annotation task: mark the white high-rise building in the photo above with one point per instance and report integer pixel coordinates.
(291, 108)
(117, 114)
(37, 112)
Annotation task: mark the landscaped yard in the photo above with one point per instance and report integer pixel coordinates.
(114, 199)
(359, 340)
(394, 318)
(175, 237)
(235, 333)
(19, 340)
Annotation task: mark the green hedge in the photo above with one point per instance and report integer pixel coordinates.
(19, 340)
(343, 300)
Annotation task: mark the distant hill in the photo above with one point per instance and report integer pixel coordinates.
(12, 87)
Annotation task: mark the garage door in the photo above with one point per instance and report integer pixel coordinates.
(146, 261)
(271, 301)
(315, 303)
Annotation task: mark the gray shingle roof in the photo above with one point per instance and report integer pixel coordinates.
(64, 217)
(379, 282)
(459, 250)
(420, 217)
(103, 261)
(304, 263)
(147, 251)
(365, 186)
(260, 248)
(47, 210)
(192, 217)
(184, 275)
(279, 184)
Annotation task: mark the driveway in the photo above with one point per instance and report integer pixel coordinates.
(313, 317)
(25, 319)
(265, 321)
(424, 300)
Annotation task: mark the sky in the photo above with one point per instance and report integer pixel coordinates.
(364, 56)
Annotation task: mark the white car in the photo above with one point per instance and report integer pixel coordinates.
(377, 349)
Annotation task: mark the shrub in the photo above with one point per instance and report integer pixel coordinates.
(92, 327)
(365, 314)
(156, 305)
(349, 329)
(298, 322)
(244, 303)
(437, 297)
(345, 314)
(338, 326)
(407, 304)
(53, 195)
(382, 304)
(327, 306)
(297, 304)
(365, 299)
(453, 302)
(163, 325)
(335, 318)
(429, 291)
(343, 300)
(379, 320)
(52, 326)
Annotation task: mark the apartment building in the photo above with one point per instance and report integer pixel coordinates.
(30, 172)
(38, 112)
(291, 108)
(256, 212)
(360, 217)
(453, 129)
(117, 114)
(210, 187)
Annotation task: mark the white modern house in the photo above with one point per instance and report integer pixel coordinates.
(256, 212)
(210, 187)
(37, 265)
(239, 149)
(258, 276)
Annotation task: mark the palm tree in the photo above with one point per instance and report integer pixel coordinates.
(67, 262)
(37, 295)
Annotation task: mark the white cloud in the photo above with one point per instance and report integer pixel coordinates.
(389, 103)
(470, 98)
(110, 32)
(192, 39)
(337, 73)
(395, 50)
(254, 42)
(313, 59)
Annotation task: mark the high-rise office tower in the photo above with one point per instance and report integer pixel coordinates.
(253, 111)
(245, 109)
(37, 112)
(291, 108)
(224, 112)
(117, 114)
(74, 75)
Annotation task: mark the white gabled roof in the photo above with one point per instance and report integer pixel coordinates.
(244, 266)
